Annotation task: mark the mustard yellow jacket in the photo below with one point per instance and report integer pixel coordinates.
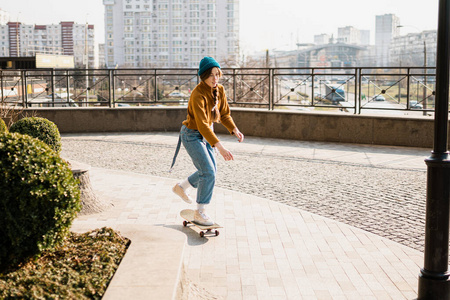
(199, 111)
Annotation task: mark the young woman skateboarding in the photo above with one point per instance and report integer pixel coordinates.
(207, 105)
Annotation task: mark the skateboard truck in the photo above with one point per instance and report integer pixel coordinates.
(202, 232)
(188, 216)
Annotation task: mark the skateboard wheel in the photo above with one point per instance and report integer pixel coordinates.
(217, 232)
(202, 234)
(185, 223)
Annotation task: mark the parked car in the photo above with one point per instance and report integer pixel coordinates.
(318, 96)
(334, 93)
(48, 102)
(59, 96)
(414, 104)
(379, 98)
(177, 94)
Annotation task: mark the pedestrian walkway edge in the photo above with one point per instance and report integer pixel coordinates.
(152, 266)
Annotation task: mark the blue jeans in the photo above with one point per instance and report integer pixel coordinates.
(202, 155)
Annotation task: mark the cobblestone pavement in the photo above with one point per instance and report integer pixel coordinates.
(385, 200)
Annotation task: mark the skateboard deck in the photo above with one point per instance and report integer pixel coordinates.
(188, 216)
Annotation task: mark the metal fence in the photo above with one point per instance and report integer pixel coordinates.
(353, 90)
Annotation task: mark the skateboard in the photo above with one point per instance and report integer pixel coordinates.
(188, 216)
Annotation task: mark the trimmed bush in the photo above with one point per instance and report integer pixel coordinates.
(39, 128)
(3, 127)
(39, 198)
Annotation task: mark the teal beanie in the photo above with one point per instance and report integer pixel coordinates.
(207, 63)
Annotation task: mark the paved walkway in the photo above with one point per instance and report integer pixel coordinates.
(268, 250)
(378, 189)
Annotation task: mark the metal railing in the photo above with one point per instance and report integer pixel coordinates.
(349, 89)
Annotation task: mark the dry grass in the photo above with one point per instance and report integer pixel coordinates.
(81, 268)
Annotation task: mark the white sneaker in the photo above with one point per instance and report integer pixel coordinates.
(177, 189)
(202, 218)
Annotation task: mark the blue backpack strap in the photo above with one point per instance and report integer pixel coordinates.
(176, 153)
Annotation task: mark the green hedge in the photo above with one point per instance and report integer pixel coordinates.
(39, 128)
(39, 198)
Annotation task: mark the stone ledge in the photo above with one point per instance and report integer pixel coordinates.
(295, 125)
(152, 266)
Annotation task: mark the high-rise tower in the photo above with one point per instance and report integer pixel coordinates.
(169, 33)
(386, 28)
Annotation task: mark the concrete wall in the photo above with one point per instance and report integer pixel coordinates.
(307, 126)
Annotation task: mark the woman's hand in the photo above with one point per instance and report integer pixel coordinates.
(227, 155)
(238, 134)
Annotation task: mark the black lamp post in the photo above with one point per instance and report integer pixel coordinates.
(434, 282)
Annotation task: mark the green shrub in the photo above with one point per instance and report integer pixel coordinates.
(39, 128)
(39, 198)
(3, 127)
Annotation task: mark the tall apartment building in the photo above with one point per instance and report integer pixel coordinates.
(386, 28)
(4, 41)
(414, 49)
(170, 33)
(65, 38)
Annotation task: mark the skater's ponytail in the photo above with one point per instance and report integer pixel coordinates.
(215, 109)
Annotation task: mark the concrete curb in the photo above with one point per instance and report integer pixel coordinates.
(152, 266)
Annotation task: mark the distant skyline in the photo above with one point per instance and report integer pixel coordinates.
(264, 24)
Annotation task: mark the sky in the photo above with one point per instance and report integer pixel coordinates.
(264, 24)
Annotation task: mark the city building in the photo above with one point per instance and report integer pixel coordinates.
(386, 28)
(332, 55)
(101, 56)
(170, 33)
(320, 39)
(320, 56)
(353, 36)
(65, 38)
(4, 17)
(414, 49)
(4, 41)
(349, 35)
(365, 37)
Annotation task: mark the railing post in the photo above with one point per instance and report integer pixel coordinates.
(434, 282)
(408, 83)
(67, 87)
(24, 89)
(271, 89)
(357, 84)
(313, 86)
(234, 85)
(1, 83)
(112, 88)
(52, 80)
(156, 87)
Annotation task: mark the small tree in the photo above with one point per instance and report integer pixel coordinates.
(39, 128)
(39, 198)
